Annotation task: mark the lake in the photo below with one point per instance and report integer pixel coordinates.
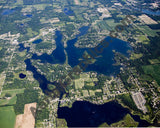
(86, 114)
(150, 12)
(104, 63)
(7, 11)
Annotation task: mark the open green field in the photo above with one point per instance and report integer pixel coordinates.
(92, 93)
(111, 23)
(154, 61)
(153, 70)
(85, 92)
(12, 100)
(145, 29)
(7, 117)
(79, 83)
(143, 39)
(136, 56)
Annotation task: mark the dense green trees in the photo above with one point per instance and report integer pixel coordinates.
(128, 101)
(29, 96)
(3, 65)
(43, 114)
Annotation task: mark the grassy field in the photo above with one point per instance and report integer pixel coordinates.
(22, 54)
(136, 56)
(0, 48)
(31, 33)
(111, 23)
(143, 39)
(154, 61)
(7, 117)
(92, 93)
(145, 29)
(85, 92)
(153, 70)
(79, 83)
(11, 100)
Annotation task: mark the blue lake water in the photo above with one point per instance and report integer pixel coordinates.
(43, 82)
(104, 63)
(57, 56)
(22, 48)
(7, 11)
(86, 114)
(21, 75)
(29, 15)
(37, 41)
(150, 12)
(68, 11)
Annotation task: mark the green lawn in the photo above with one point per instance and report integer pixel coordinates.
(7, 117)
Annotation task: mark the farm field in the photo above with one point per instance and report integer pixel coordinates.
(7, 117)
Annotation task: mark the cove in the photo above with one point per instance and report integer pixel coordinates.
(43, 82)
(57, 56)
(22, 48)
(86, 114)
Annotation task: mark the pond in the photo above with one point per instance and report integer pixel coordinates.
(37, 41)
(68, 11)
(21, 75)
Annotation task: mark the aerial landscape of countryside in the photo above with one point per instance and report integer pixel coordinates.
(79, 63)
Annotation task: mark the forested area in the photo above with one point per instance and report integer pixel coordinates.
(127, 100)
(29, 96)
